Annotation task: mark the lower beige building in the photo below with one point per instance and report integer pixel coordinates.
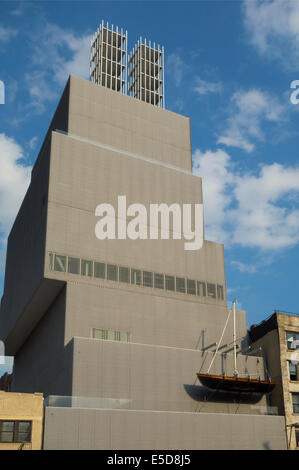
(278, 337)
(21, 421)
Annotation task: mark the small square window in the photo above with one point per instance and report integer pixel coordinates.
(96, 333)
(73, 265)
(125, 337)
(211, 290)
(136, 277)
(6, 436)
(8, 426)
(147, 278)
(292, 340)
(169, 282)
(124, 274)
(24, 437)
(100, 270)
(112, 272)
(60, 263)
(159, 281)
(292, 371)
(180, 284)
(191, 287)
(111, 335)
(201, 289)
(86, 268)
(220, 293)
(295, 400)
(24, 426)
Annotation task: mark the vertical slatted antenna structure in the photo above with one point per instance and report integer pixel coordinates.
(108, 58)
(146, 73)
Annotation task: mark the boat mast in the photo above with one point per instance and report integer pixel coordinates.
(236, 373)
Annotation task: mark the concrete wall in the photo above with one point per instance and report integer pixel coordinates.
(155, 377)
(23, 407)
(70, 428)
(78, 185)
(152, 318)
(112, 118)
(44, 363)
(25, 248)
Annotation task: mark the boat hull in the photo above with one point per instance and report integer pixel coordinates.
(236, 384)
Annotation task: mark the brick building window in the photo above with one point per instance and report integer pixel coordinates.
(292, 340)
(292, 370)
(15, 431)
(295, 400)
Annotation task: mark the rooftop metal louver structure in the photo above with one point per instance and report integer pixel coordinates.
(108, 58)
(146, 73)
(140, 75)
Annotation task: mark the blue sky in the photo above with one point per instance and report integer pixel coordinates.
(229, 66)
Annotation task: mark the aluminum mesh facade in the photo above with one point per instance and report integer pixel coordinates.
(108, 58)
(146, 73)
(139, 74)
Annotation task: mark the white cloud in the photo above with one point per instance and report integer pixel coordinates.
(175, 68)
(245, 268)
(249, 210)
(69, 52)
(214, 167)
(249, 110)
(14, 180)
(273, 27)
(56, 54)
(203, 87)
(7, 33)
(32, 142)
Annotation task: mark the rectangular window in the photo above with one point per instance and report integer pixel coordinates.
(112, 272)
(96, 333)
(110, 335)
(147, 279)
(191, 287)
(124, 274)
(220, 293)
(159, 281)
(15, 431)
(60, 263)
(73, 265)
(100, 270)
(169, 282)
(136, 277)
(292, 340)
(99, 334)
(201, 289)
(295, 400)
(125, 337)
(297, 435)
(211, 290)
(180, 284)
(86, 267)
(292, 371)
